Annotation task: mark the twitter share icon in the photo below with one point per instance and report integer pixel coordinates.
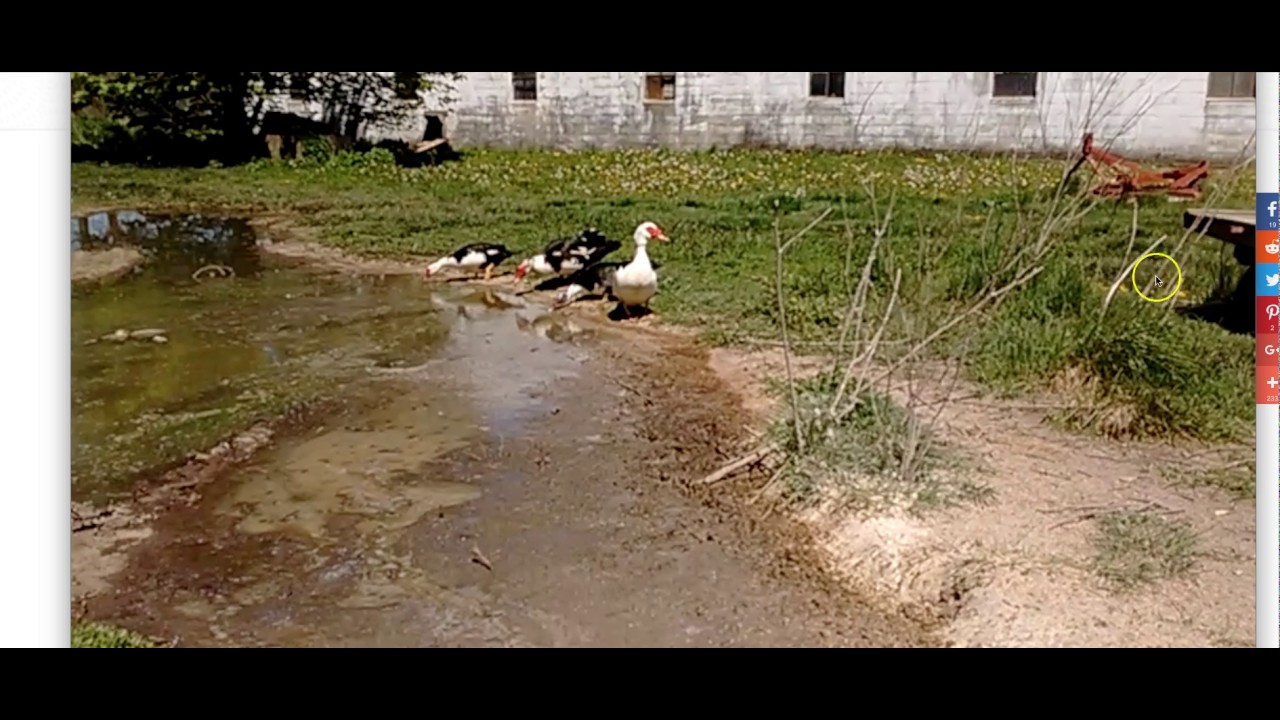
(1268, 280)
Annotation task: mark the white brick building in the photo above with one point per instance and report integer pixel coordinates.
(1190, 115)
(1184, 114)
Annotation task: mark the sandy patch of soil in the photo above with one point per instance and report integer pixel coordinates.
(281, 236)
(94, 266)
(1018, 571)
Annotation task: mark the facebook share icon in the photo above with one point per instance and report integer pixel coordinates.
(1268, 211)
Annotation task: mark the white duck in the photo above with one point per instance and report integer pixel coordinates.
(633, 283)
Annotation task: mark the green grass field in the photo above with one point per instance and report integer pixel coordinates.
(956, 222)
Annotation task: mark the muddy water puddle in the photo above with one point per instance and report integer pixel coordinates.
(313, 523)
(314, 529)
(368, 472)
(165, 363)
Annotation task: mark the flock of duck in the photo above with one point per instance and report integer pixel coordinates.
(578, 261)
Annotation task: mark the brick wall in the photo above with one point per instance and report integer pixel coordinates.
(1139, 113)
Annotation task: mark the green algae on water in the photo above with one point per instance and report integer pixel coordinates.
(236, 350)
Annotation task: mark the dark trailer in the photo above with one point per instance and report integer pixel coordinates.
(1237, 229)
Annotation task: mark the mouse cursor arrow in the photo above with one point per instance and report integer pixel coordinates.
(1159, 282)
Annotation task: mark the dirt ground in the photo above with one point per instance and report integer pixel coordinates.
(90, 266)
(567, 516)
(529, 487)
(1016, 572)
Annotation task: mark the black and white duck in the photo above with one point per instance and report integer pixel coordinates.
(567, 256)
(476, 257)
(632, 283)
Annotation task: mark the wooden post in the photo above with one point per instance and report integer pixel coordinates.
(115, 232)
(82, 223)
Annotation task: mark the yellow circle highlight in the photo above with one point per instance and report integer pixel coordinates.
(1134, 276)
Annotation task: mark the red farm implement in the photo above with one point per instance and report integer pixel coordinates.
(1118, 177)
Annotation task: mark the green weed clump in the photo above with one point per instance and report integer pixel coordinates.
(97, 635)
(1139, 547)
(878, 456)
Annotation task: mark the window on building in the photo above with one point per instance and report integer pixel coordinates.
(826, 84)
(1233, 85)
(660, 87)
(1014, 85)
(524, 85)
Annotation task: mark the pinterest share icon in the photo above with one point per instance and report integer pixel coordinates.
(1267, 316)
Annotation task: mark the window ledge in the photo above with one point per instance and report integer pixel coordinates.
(1014, 99)
(660, 103)
(1231, 100)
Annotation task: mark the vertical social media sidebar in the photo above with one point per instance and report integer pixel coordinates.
(1267, 332)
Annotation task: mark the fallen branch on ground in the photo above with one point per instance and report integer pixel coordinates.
(773, 481)
(751, 459)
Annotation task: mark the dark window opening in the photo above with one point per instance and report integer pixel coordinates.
(1014, 84)
(434, 129)
(1233, 85)
(659, 86)
(826, 84)
(524, 85)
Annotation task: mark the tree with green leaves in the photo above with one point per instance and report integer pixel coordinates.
(194, 117)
